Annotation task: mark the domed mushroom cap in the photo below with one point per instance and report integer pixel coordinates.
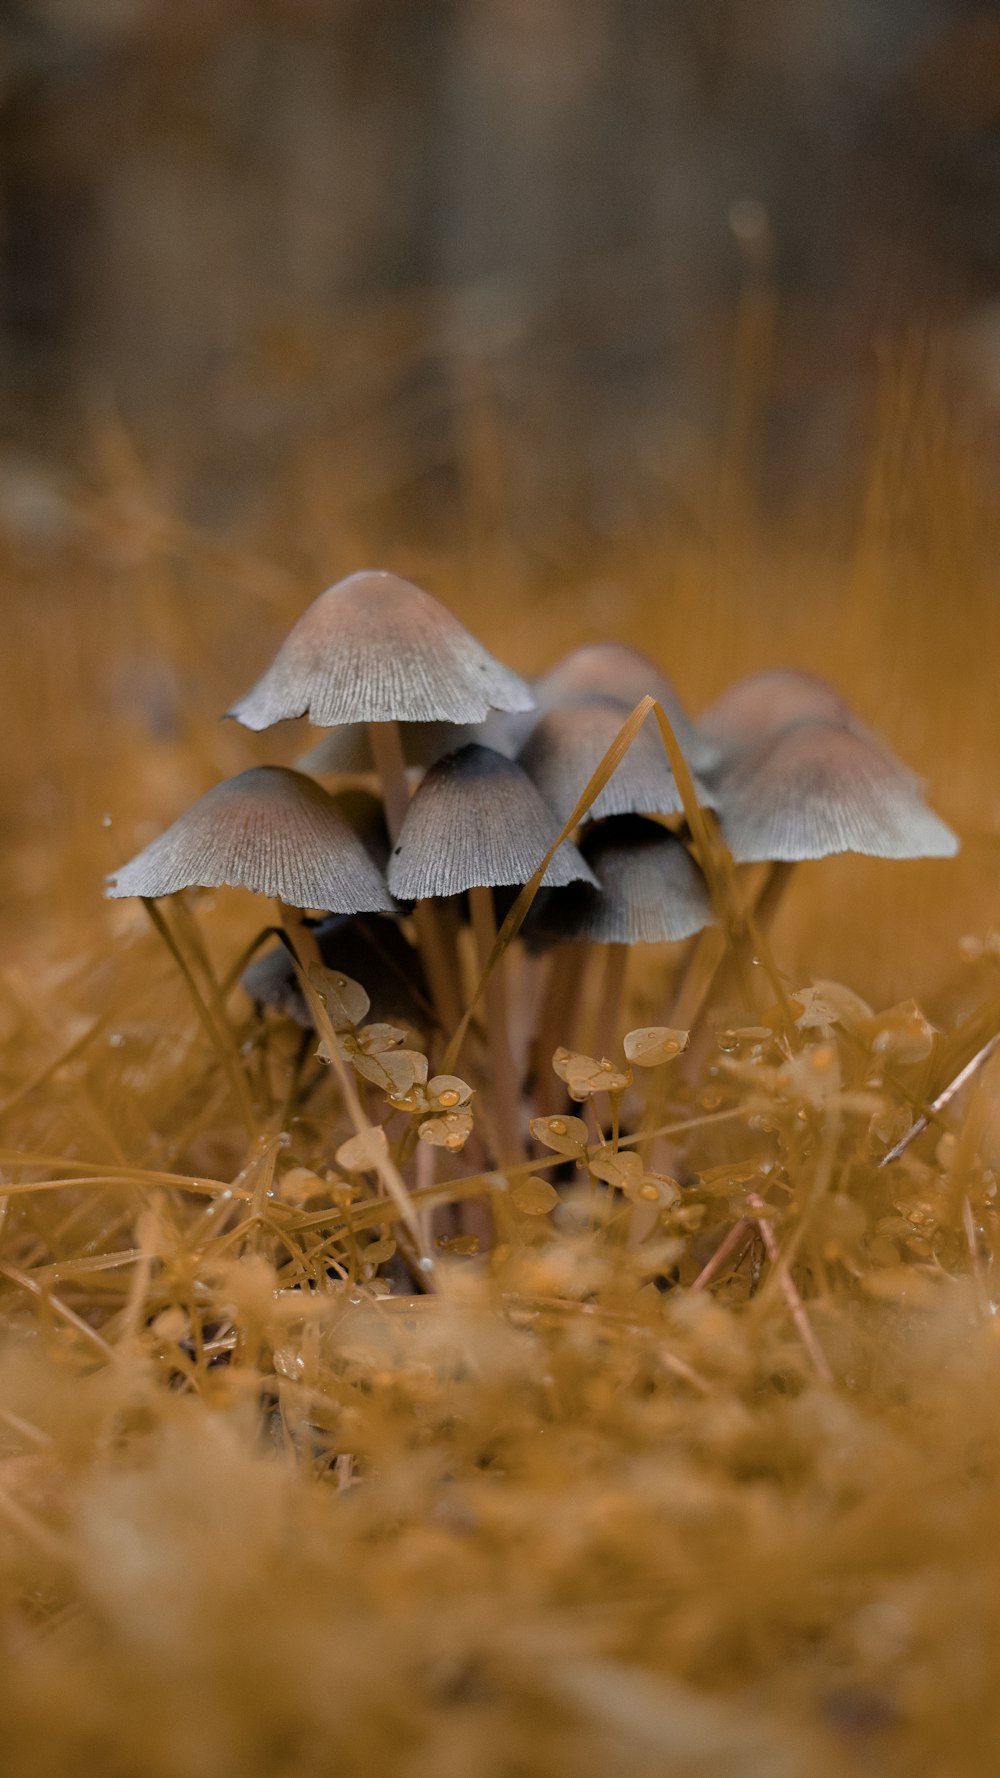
(269, 830)
(477, 821)
(567, 744)
(819, 788)
(625, 675)
(763, 703)
(375, 648)
(652, 892)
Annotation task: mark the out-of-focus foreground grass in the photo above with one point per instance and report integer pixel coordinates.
(552, 1519)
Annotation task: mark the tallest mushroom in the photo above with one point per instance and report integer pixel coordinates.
(377, 649)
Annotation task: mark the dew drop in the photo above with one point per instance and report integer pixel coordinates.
(557, 1126)
(105, 820)
(425, 1264)
(448, 1098)
(115, 1040)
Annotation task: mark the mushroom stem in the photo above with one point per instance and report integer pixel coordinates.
(390, 763)
(772, 894)
(410, 1235)
(438, 961)
(556, 1025)
(611, 991)
(506, 1090)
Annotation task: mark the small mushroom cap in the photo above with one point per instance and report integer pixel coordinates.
(763, 703)
(624, 674)
(269, 830)
(565, 747)
(477, 821)
(652, 892)
(819, 788)
(375, 648)
(371, 950)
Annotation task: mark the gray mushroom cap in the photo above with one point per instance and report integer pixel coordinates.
(269, 830)
(819, 788)
(652, 892)
(477, 821)
(375, 648)
(567, 744)
(762, 705)
(624, 674)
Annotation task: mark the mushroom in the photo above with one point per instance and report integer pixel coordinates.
(763, 705)
(376, 648)
(567, 744)
(819, 788)
(269, 830)
(617, 671)
(651, 890)
(477, 822)
(651, 893)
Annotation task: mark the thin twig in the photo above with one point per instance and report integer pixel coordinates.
(944, 1098)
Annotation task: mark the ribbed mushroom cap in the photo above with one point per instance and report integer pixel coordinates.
(477, 820)
(765, 703)
(651, 891)
(371, 950)
(818, 788)
(568, 743)
(626, 675)
(375, 648)
(269, 830)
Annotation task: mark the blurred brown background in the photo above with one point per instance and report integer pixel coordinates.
(671, 319)
(252, 222)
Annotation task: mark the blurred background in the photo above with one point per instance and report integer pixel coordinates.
(675, 320)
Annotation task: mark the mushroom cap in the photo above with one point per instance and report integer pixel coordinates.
(375, 648)
(616, 670)
(269, 830)
(567, 744)
(763, 703)
(477, 821)
(371, 950)
(652, 892)
(818, 788)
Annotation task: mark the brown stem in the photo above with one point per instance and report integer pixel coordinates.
(556, 1024)
(506, 1090)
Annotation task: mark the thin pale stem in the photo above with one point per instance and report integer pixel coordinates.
(944, 1098)
(611, 993)
(557, 1024)
(437, 956)
(506, 1091)
(796, 1307)
(390, 764)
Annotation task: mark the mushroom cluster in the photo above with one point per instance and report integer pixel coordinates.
(480, 780)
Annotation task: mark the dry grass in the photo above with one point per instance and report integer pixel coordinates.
(573, 1512)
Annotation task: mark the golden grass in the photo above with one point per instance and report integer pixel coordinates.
(586, 1507)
